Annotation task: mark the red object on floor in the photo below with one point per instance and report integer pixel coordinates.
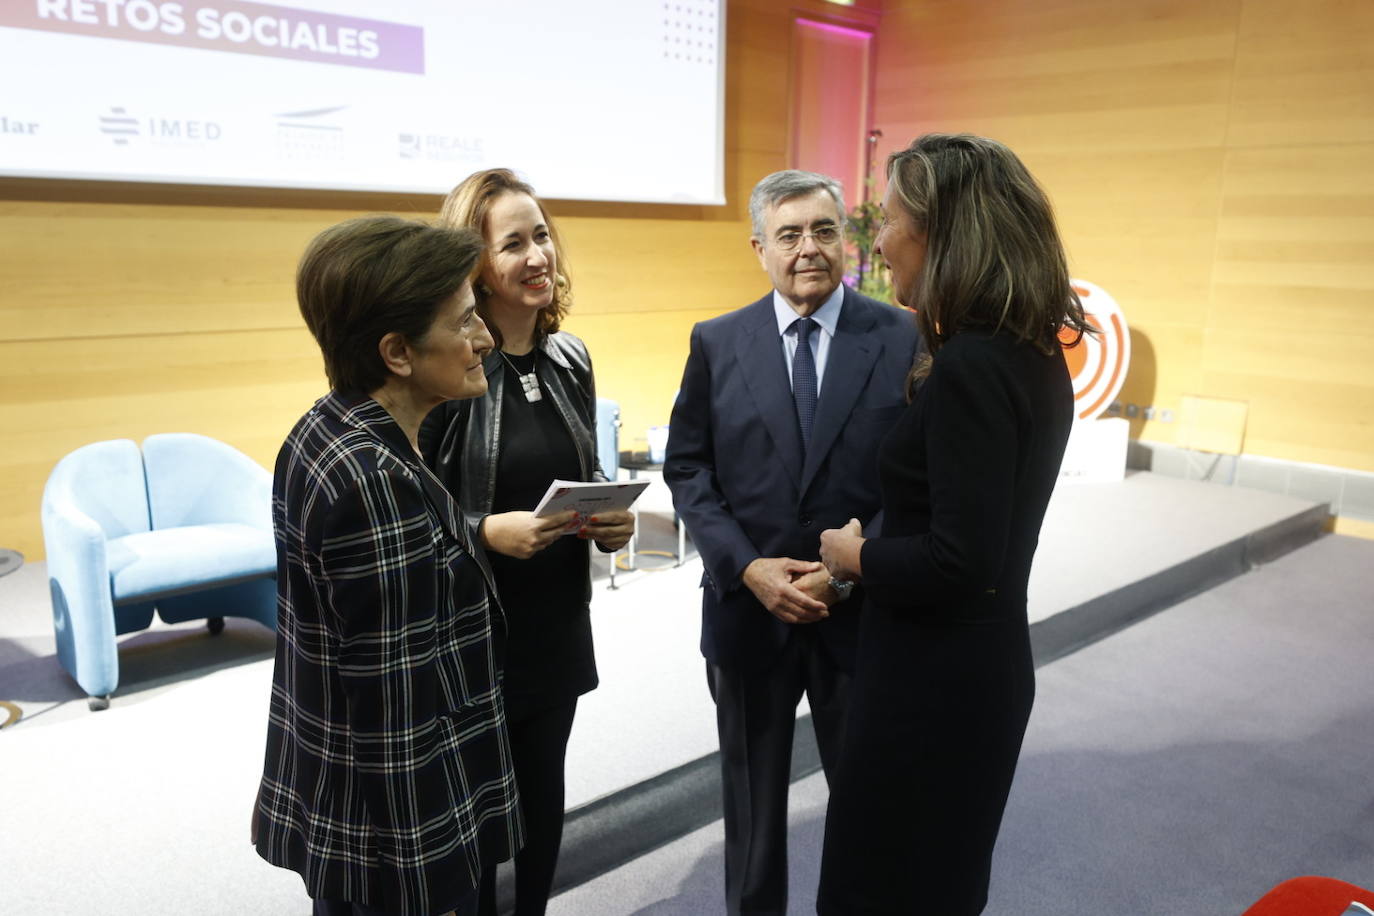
(1310, 896)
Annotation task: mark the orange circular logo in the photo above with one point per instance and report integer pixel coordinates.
(1097, 362)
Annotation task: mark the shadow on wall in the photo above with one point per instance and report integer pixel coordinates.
(1139, 387)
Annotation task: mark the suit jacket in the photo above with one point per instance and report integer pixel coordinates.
(388, 778)
(741, 480)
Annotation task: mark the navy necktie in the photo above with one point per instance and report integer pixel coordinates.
(804, 378)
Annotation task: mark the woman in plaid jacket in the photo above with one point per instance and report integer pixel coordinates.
(388, 783)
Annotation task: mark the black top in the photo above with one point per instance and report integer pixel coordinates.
(549, 647)
(945, 679)
(966, 476)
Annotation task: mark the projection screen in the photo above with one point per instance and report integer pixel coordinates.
(616, 100)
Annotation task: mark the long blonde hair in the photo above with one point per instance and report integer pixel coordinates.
(469, 205)
(994, 259)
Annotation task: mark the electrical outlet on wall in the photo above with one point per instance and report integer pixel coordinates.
(1166, 416)
(1149, 413)
(1132, 411)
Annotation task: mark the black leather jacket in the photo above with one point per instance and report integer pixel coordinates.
(460, 440)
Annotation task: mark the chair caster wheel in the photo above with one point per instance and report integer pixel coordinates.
(98, 703)
(215, 625)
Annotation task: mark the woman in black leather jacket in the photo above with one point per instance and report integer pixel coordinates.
(497, 455)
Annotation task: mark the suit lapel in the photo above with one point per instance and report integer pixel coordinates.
(759, 351)
(853, 354)
(368, 415)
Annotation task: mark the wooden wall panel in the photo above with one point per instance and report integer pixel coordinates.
(1172, 235)
(96, 270)
(627, 353)
(129, 310)
(1304, 75)
(1074, 74)
(657, 264)
(1292, 320)
(1320, 422)
(1208, 161)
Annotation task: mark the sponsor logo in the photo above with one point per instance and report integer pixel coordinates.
(311, 134)
(1098, 362)
(20, 126)
(440, 147)
(124, 129)
(118, 126)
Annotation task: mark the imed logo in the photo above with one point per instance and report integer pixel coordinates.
(1097, 362)
(122, 127)
(118, 126)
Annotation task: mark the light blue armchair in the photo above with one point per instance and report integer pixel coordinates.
(183, 529)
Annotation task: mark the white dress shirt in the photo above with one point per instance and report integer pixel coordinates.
(827, 317)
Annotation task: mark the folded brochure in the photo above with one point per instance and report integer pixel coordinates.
(588, 498)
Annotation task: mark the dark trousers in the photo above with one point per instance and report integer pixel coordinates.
(344, 908)
(756, 716)
(538, 745)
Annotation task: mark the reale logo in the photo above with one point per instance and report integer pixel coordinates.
(440, 148)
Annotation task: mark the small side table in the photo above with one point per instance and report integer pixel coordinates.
(634, 462)
(10, 560)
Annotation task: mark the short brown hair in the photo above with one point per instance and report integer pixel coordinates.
(364, 278)
(469, 204)
(993, 259)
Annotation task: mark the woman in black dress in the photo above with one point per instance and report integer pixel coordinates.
(944, 680)
(497, 454)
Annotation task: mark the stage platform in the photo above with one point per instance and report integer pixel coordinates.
(642, 766)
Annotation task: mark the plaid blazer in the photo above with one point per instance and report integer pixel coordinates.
(388, 778)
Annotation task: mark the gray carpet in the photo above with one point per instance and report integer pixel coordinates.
(1193, 761)
(1180, 767)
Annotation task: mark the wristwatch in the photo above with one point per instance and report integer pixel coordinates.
(842, 587)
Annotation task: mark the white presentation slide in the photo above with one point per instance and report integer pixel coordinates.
(615, 100)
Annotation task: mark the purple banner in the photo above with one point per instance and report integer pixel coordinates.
(231, 25)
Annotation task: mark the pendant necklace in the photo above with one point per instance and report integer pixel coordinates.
(529, 382)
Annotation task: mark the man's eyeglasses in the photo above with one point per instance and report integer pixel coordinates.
(790, 241)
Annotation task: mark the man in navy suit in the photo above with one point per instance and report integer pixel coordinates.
(773, 439)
